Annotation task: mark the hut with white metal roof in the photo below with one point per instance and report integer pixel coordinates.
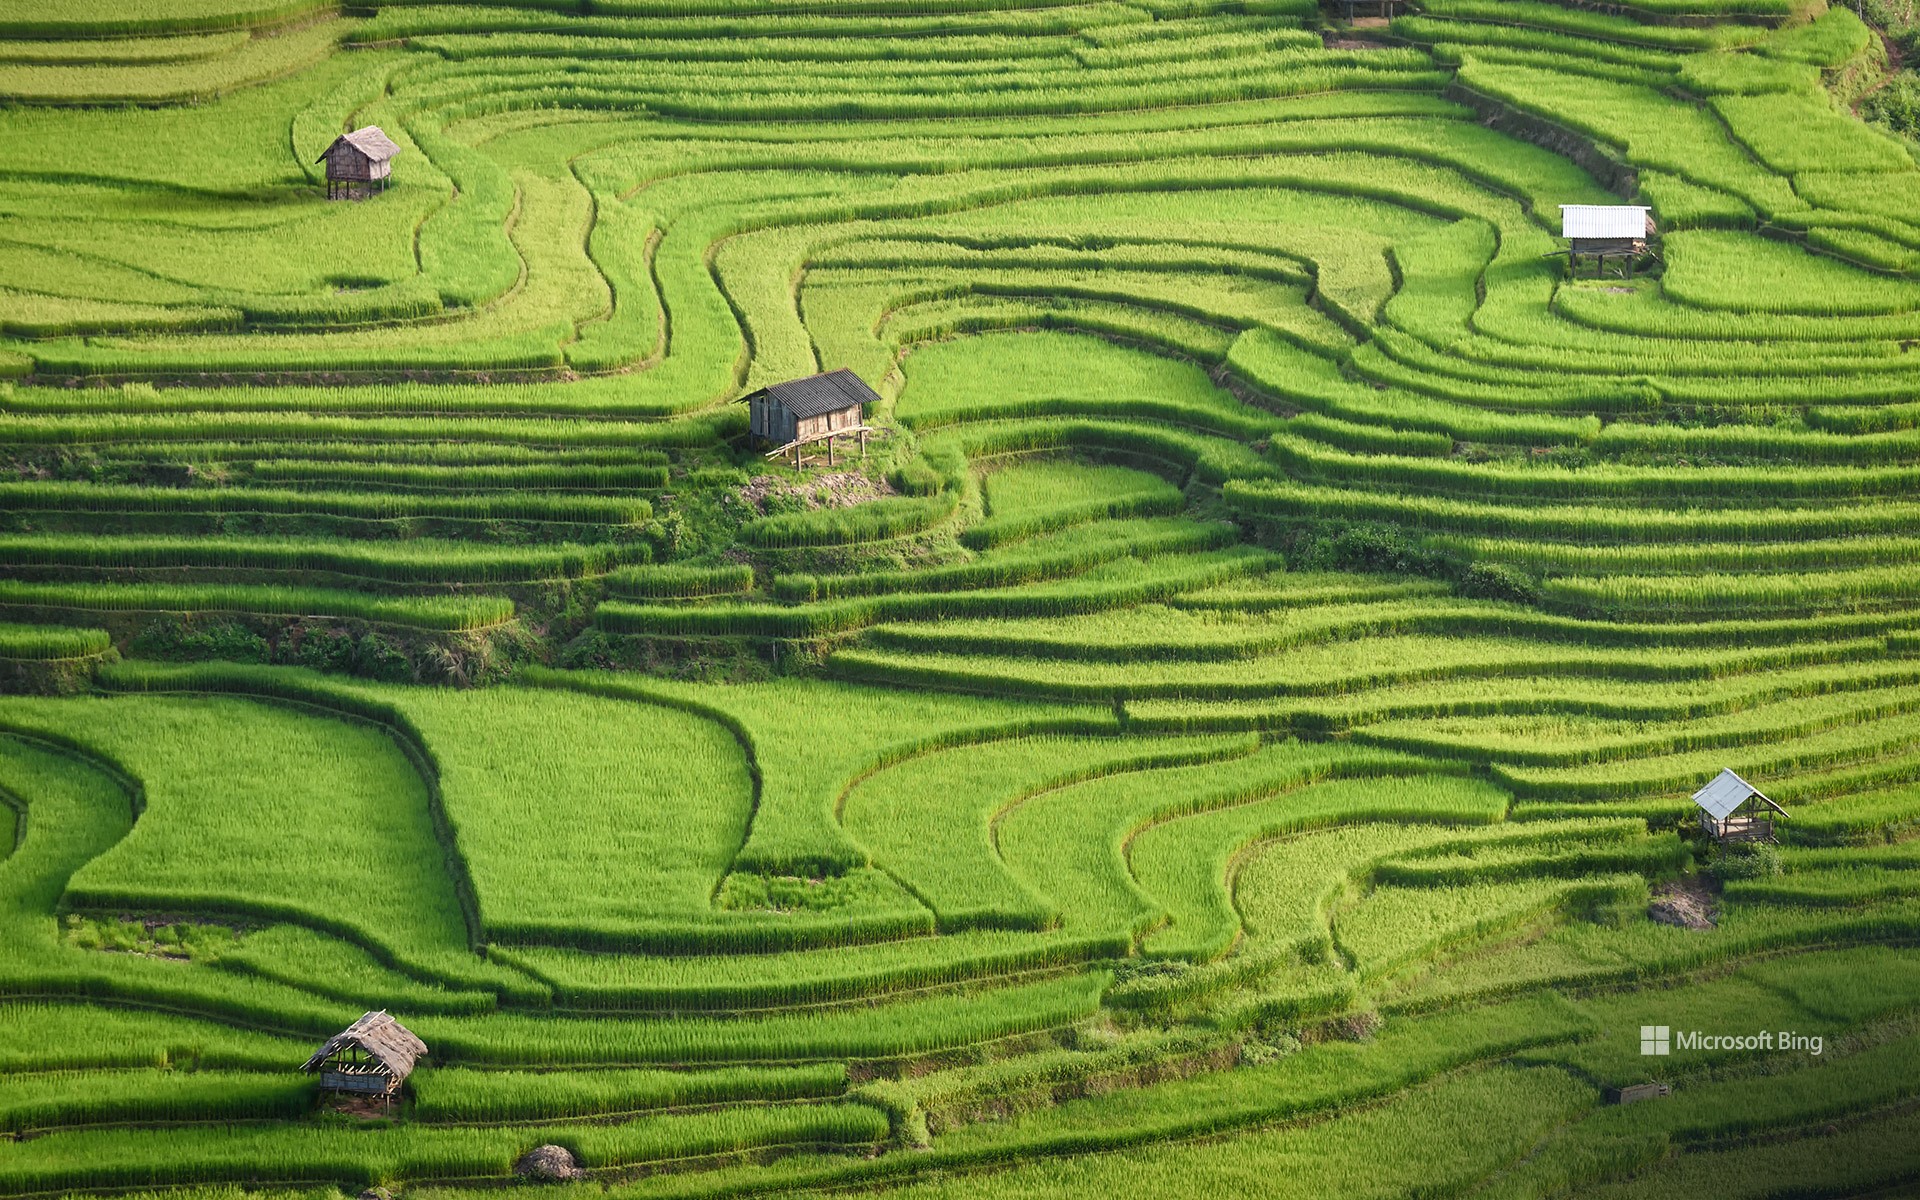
(1602, 231)
(371, 1057)
(1730, 809)
(359, 163)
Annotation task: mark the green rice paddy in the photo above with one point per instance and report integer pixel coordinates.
(1228, 731)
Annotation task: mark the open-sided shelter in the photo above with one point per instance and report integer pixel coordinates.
(1602, 231)
(815, 409)
(371, 1057)
(1730, 809)
(359, 163)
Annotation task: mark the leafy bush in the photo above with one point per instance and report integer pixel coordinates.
(1896, 106)
(1257, 1052)
(1364, 547)
(183, 641)
(1746, 860)
(1498, 581)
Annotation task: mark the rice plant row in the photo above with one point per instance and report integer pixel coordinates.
(51, 642)
(1607, 524)
(448, 613)
(1118, 584)
(1319, 668)
(533, 477)
(133, 499)
(293, 1152)
(415, 560)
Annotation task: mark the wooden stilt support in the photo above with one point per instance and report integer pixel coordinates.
(797, 447)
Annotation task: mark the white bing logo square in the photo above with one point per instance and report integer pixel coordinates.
(1655, 1039)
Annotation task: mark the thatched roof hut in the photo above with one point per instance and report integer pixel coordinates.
(359, 161)
(371, 1057)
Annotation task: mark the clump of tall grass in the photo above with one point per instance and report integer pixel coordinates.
(673, 581)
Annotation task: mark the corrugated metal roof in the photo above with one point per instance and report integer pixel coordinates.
(369, 140)
(826, 393)
(392, 1044)
(1727, 792)
(1603, 221)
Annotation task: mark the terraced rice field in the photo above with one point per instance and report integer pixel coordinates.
(1225, 736)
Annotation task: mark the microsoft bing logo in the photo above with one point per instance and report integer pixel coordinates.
(1661, 1040)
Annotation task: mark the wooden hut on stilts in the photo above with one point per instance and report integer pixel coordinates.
(805, 412)
(359, 164)
(1602, 231)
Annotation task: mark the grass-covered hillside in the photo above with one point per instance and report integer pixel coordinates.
(1230, 734)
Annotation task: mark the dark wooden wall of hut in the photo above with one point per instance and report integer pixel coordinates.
(346, 161)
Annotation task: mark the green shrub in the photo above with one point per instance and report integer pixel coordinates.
(1368, 547)
(183, 642)
(1498, 581)
(1746, 860)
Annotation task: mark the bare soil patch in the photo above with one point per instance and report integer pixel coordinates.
(366, 1108)
(1688, 903)
(842, 489)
